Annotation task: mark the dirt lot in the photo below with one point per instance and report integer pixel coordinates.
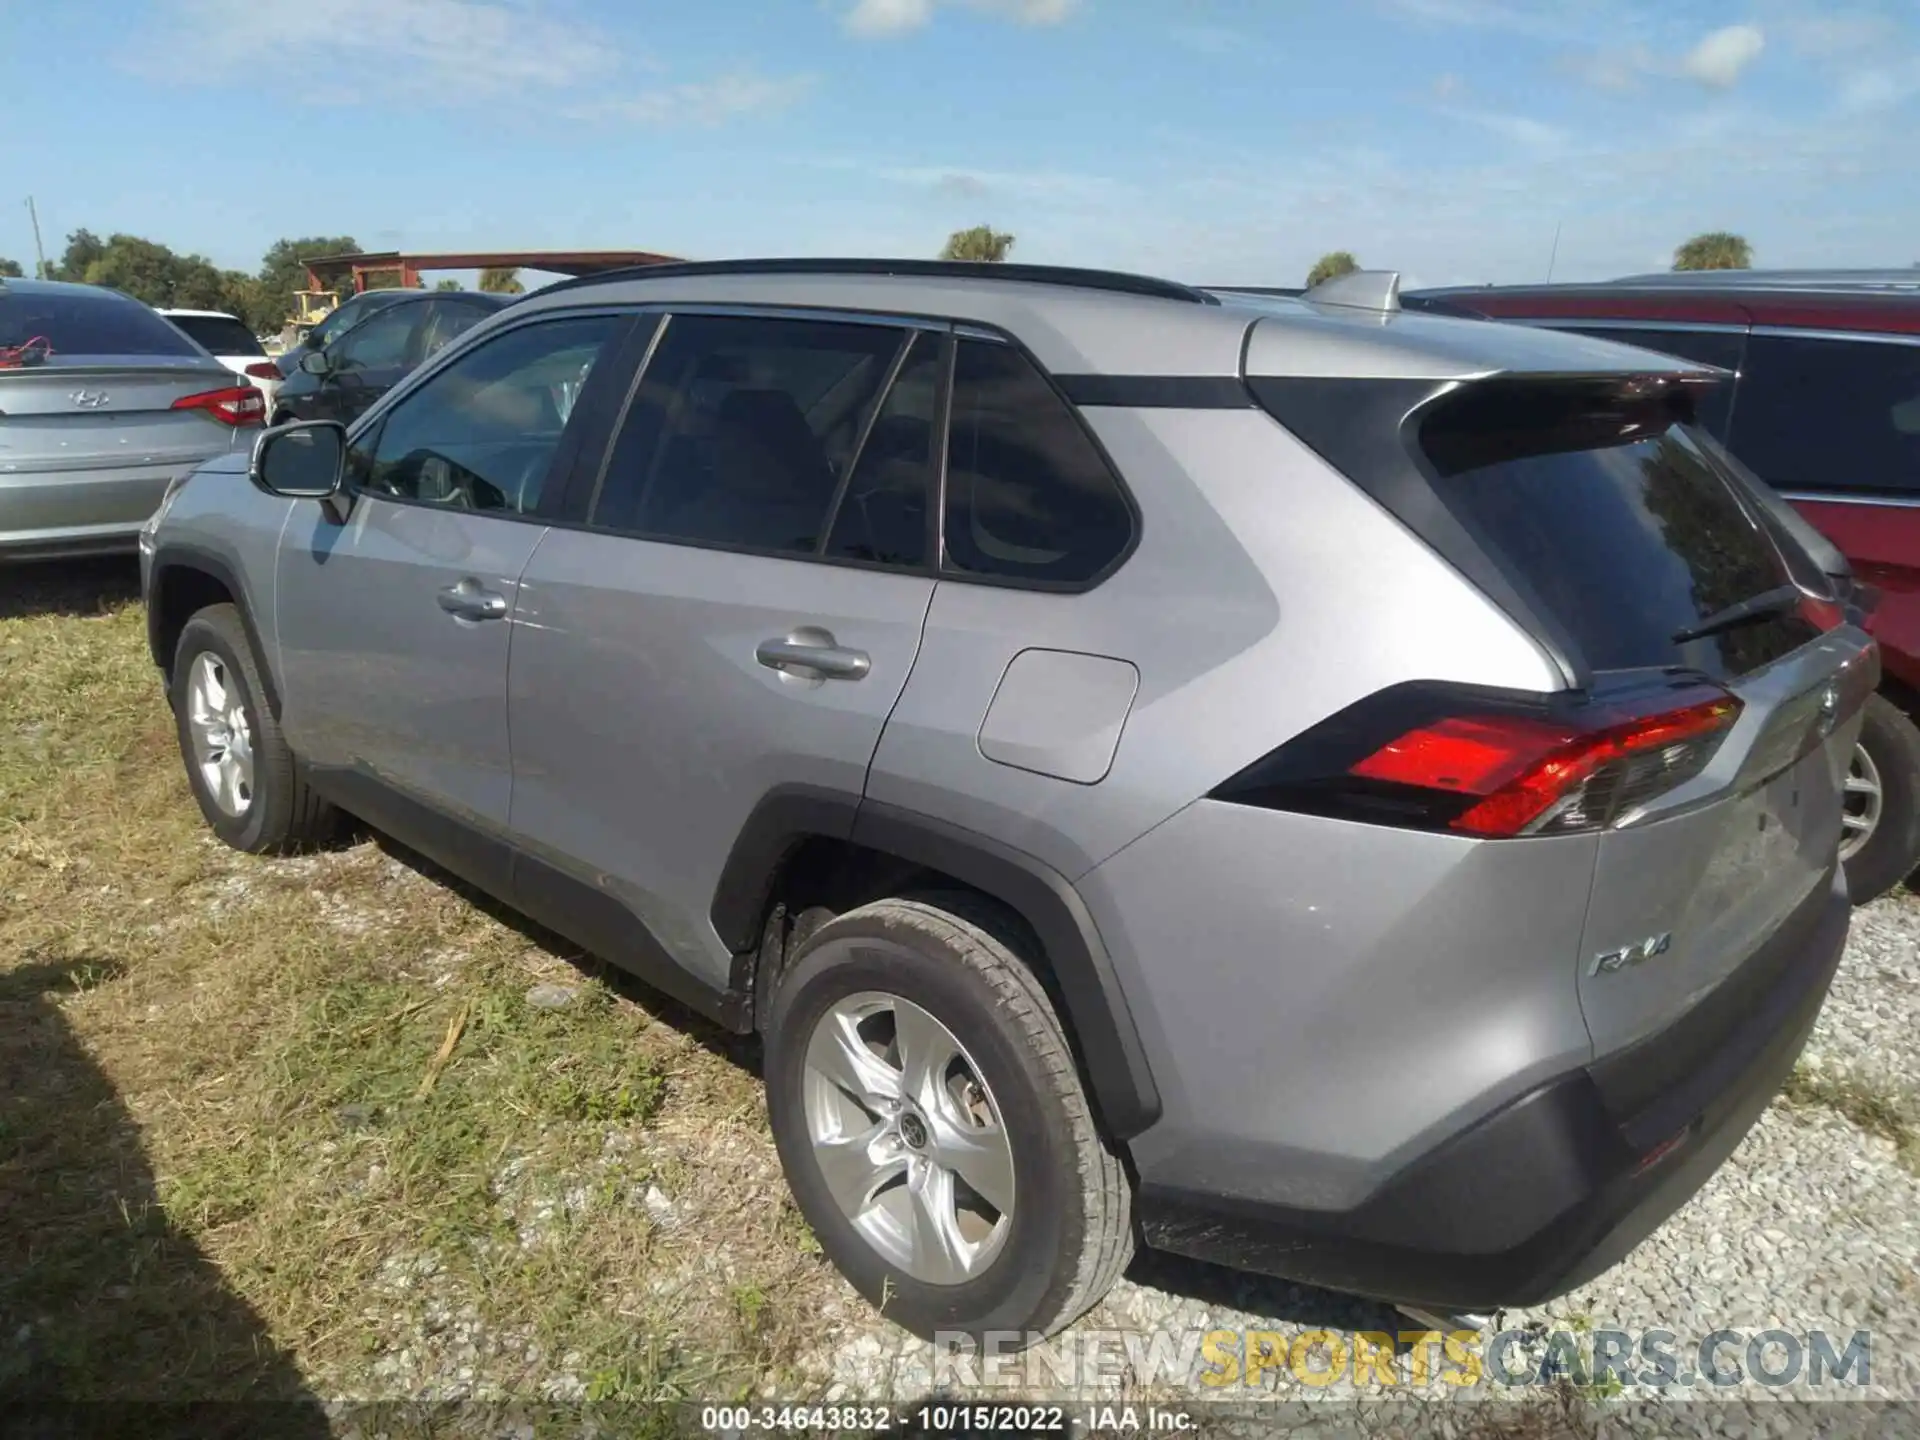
(328, 1127)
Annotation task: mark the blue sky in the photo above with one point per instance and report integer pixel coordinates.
(1228, 141)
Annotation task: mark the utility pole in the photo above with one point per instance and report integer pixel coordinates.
(1554, 254)
(39, 251)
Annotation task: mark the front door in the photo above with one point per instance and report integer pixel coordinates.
(395, 629)
(740, 614)
(368, 361)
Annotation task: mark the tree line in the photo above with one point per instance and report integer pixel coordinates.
(151, 272)
(160, 276)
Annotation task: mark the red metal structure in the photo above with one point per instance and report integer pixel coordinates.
(322, 268)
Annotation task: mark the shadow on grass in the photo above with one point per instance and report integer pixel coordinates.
(67, 587)
(103, 1301)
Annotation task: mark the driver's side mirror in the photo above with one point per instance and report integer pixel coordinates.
(316, 362)
(305, 461)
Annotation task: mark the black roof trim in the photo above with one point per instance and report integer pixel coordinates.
(1066, 275)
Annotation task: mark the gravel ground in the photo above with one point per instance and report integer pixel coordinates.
(1813, 1225)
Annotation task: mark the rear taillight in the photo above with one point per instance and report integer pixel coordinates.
(1492, 764)
(236, 405)
(264, 370)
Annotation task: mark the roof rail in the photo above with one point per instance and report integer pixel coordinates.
(1111, 280)
(1828, 279)
(1376, 290)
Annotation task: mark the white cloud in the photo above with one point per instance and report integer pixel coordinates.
(455, 47)
(701, 102)
(888, 17)
(1521, 130)
(1719, 59)
(897, 17)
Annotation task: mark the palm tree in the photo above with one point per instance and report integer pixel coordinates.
(1715, 250)
(504, 280)
(982, 242)
(1330, 265)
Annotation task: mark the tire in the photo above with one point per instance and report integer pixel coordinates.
(280, 813)
(1067, 1232)
(1889, 756)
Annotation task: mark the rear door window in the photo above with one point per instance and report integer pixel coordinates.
(1723, 348)
(743, 429)
(218, 334)
(1830, 415)
(1029, 495)
(38, 325)
(1620, 524)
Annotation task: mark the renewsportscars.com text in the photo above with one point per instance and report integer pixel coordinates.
(1229, 1361)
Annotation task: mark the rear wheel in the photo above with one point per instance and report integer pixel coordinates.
(238, 764)
(933, 1127)
(1880, 844)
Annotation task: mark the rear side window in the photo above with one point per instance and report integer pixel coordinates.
(743, 429)
(1830, 414)
(1029, 495)
(1724, 348)
(218, 334)
(1606, 508)
(42, 325)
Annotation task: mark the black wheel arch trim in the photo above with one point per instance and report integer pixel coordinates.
(178, 555)
(1109, 1042)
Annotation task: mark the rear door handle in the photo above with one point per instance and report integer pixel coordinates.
(470, 600)
(810, 653)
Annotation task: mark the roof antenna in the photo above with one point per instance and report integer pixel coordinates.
(1375, 290)
(1554, 254)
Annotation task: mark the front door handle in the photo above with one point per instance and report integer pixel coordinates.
(812, 653)
(470, 600)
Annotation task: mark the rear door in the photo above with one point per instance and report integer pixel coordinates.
(739, 614)
(1599, 520)
(368, 361)
(1617, 520)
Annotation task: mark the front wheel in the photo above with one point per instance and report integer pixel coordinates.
(238, 764)
(1880, 842)
(933, 1128)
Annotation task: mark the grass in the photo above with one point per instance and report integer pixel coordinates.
(1872, 1110)
(290, 1127)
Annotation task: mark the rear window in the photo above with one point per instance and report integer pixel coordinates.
(1606, 509)
(81, 322)
(218, 334)
(1815, 414)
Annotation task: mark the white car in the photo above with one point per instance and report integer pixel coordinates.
(229, 341)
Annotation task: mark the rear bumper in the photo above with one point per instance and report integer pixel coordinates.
(47, 515)
(1555, 1187)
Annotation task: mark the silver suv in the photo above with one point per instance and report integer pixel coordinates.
(1339, 791)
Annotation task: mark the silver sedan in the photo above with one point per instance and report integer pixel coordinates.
(102, 404)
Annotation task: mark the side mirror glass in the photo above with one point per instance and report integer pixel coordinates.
(315, 362)
(301, 462)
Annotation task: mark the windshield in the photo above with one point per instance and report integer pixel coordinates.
(37, 325)
(219, 334)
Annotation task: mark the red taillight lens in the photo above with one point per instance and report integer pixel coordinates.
(1531, 774)
(1493, 764)
(236, 405)
(264, 370)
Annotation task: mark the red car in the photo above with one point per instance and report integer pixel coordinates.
(1825, 408)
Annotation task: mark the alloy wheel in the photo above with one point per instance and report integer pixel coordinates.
(908, 1137)
(222, 734)
(1862, 803)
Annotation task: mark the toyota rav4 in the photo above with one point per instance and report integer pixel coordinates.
(1339, 791)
